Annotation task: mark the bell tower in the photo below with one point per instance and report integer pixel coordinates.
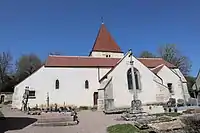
(105, 46)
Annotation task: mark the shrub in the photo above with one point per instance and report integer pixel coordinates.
(7, 102)
(171, 102)
(94, 108)
(192, 102)
(175, 110)
(180, 102)
(83, 108)
(192, 124)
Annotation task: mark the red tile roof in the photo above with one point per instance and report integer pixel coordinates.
(78, 61)
(104, 42)
(154, 62)
(157, 69)
(88, 61)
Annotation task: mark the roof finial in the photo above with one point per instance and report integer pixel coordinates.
(102, 22)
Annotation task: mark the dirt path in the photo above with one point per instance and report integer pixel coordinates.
(90, 122)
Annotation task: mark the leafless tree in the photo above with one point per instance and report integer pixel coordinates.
(5, 67)
(170, 53)
(147, 54)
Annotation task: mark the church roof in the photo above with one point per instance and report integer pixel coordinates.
(104, 42)
(88, 61)
(154, 62)
(79, 61)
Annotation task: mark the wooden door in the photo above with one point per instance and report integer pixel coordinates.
(2, 99)
(95, 97)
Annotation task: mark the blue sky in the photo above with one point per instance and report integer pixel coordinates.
(70, 26)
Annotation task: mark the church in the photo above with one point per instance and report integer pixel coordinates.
(106, 79)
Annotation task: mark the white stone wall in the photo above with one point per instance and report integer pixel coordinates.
(103, 71)
(163, 95)
(170, 77)
(72, 86)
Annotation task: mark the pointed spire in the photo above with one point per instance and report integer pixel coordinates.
(102, 22)
(104, 41)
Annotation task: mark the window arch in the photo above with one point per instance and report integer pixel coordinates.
(57, 84)
(86, 84)
(136, 78)
(129, 79)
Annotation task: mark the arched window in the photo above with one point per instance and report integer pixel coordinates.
(129, 79)
(57, 84)
(136, 77)
(86, 84)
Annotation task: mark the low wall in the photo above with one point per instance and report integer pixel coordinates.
(151, 109)
(7, 97)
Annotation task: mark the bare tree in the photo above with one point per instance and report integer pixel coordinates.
(5, 67)
(170, 53)
(147, 54)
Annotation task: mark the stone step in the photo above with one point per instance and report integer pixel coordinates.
(55, 120)
(56, 124)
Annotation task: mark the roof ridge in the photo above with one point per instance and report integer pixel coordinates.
(66, 56)
(152, 58)
(83, 57)
(157, 69)
(161, 65)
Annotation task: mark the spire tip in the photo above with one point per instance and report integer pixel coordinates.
(102, 22)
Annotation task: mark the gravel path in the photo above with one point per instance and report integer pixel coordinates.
(90, 122)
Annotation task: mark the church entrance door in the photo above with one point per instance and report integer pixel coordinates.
(95, 98)
(2, 98)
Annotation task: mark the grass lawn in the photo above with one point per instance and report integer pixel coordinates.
(173, 114)
(123, 128)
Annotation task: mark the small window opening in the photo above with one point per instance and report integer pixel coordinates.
(31, 93)
(57, 84)
(86, 84)
(169, 85)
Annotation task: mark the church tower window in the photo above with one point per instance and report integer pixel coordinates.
(57, 84)
(86, 84)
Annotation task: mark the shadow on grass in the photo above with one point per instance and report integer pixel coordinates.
(14, 123)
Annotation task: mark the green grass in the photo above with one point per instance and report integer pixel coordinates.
(169, 114)
(122, 128)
